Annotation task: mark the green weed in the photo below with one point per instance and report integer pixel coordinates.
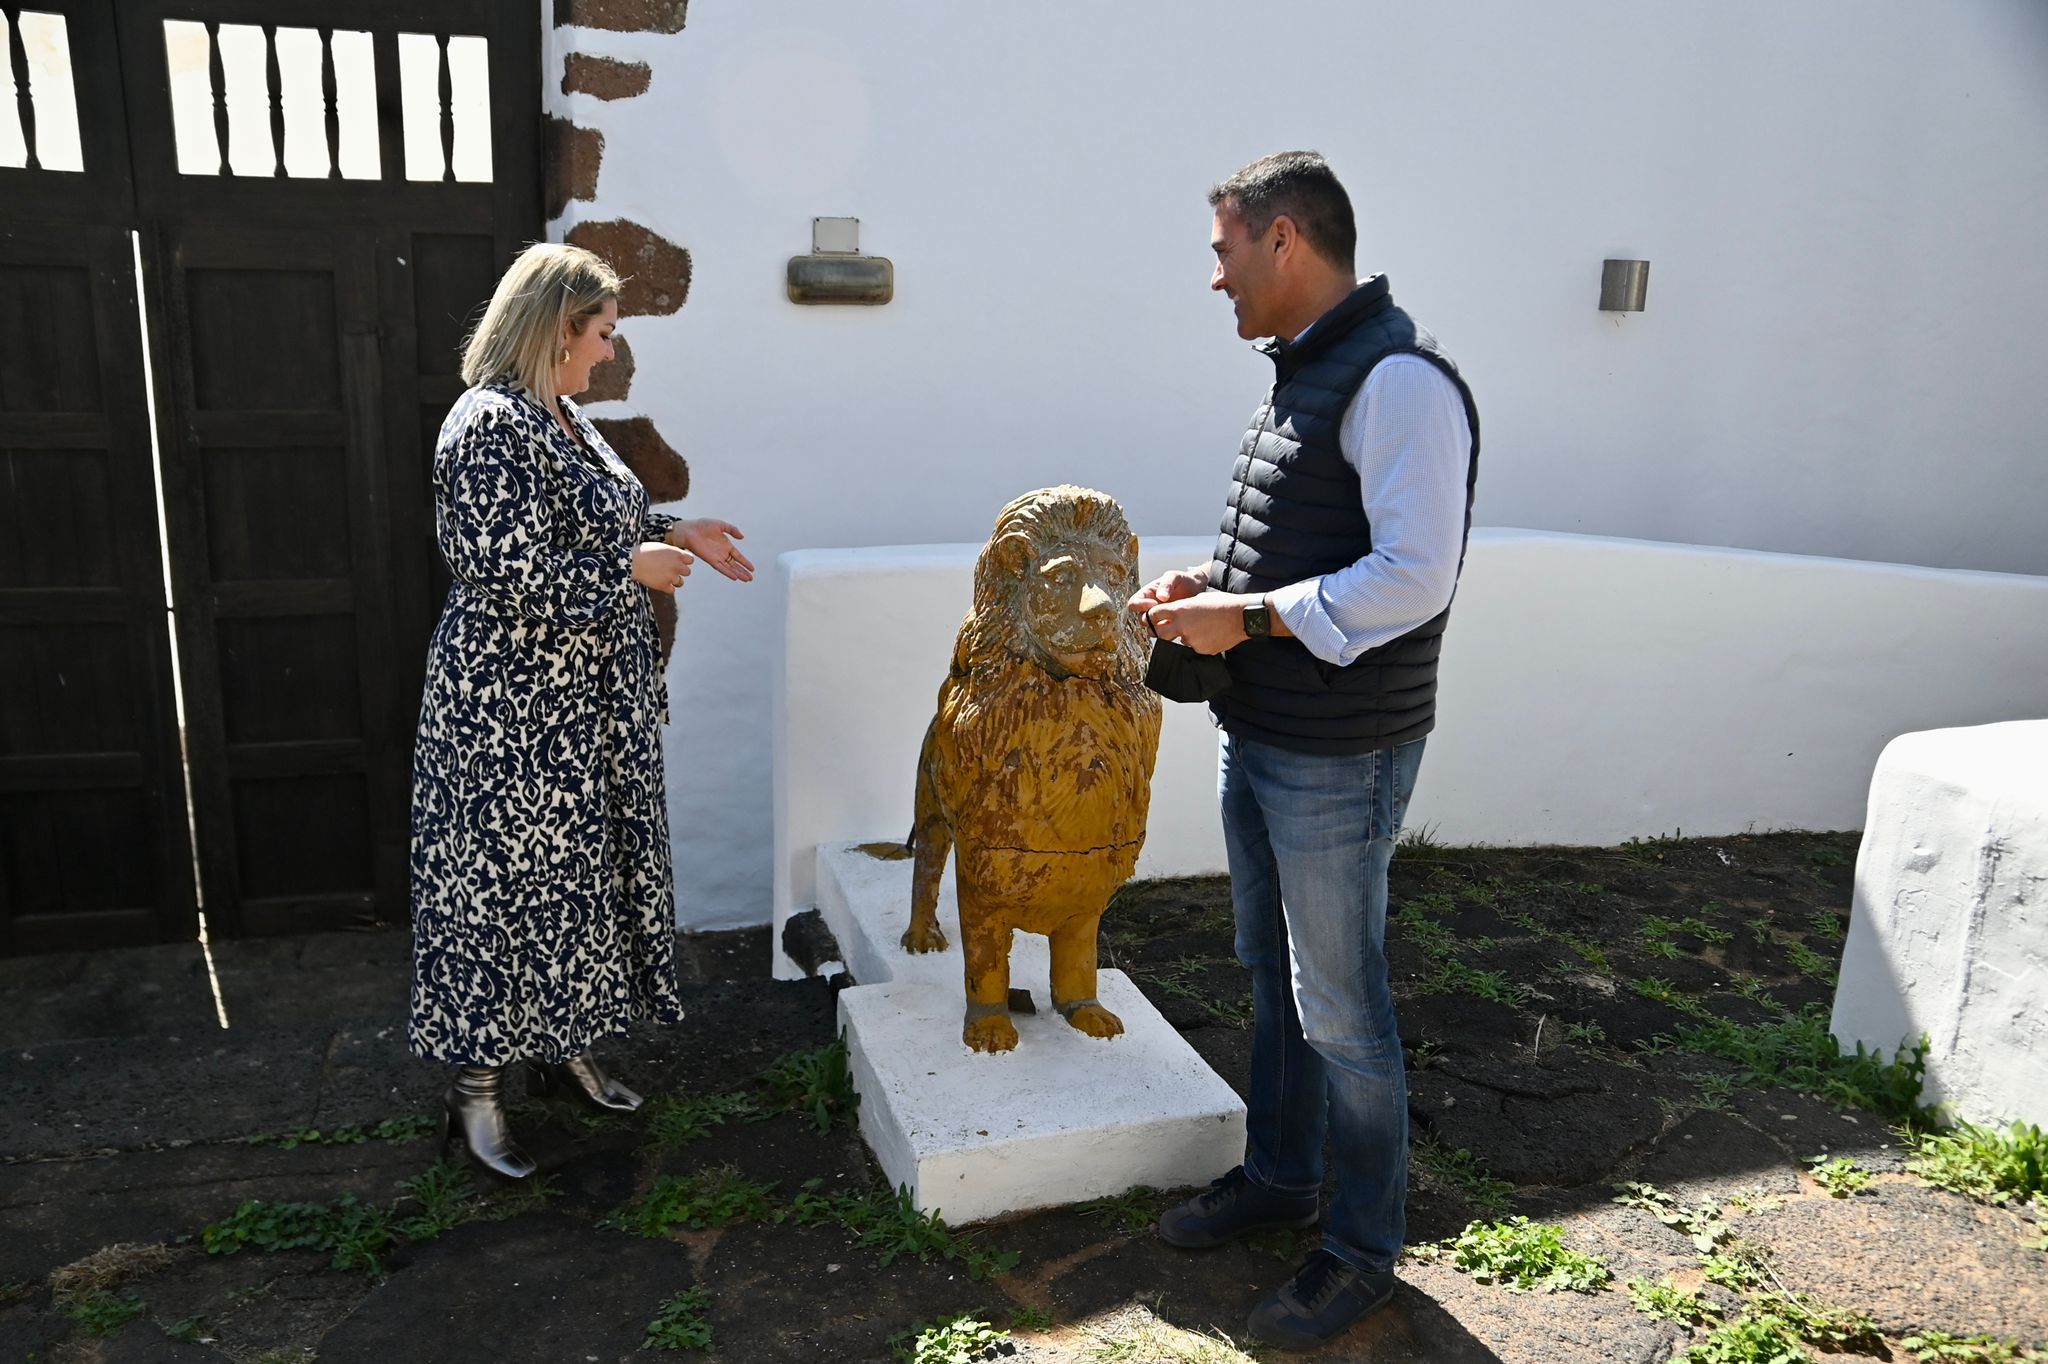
(1587, 1032)
(1841, 1177)
(1742, 1266)
(1028, 1318)
(815, 1082)
(1702, 1223)
(1826, 925)
(1667, 1303)
(1811, 963)
(102, 1314)
(717, 1197)
(959, 1339)
(1462, 1171)
(188, 1330)
(1984, 1163)
(680, 1323)
(891, 1225)
(1825, 856)
(1667, 994)
(412, 1127)
(1521, 1255)
(1757, 1339)
(1981, 1349)
(1133, 1210)
(1800, 1053)
(676, 1120)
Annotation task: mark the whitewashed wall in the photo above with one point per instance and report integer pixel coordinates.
(1592, 689)
(1841, 201)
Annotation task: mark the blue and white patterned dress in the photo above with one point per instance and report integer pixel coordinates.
(543, 914)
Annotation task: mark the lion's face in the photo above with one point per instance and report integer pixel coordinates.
(1072, 602)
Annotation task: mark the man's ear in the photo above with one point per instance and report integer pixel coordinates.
(1285, 236)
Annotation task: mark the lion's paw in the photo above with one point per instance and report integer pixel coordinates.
(994, 1033)
(1096, 1021)
(924, 938)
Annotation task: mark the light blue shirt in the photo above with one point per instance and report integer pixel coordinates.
(1407, 436)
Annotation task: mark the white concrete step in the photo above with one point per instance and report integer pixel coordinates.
(1061, 1119)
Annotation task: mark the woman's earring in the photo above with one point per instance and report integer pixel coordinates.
(563, 358)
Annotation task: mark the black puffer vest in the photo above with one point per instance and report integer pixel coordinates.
(1295, 513)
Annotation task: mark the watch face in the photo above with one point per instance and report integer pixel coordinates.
(1258, 622)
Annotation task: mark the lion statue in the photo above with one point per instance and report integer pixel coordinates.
(1037, 769)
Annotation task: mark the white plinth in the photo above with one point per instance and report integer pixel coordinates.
(1061, 1119)
(1949, 935)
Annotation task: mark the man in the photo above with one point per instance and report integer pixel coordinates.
(1327, 597)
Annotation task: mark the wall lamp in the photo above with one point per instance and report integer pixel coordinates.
(836, 271)
(1623, 285)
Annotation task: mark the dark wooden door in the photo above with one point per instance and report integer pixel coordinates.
(304, 312)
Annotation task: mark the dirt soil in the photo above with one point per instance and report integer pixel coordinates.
(1543, 995)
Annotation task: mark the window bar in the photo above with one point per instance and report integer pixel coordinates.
(270, 74)
(390, 113)
(17, 58)
(447, 113)
(333, 110)
(216, 75)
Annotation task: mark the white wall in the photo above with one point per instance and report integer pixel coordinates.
(1591, 690)
(1841, 201)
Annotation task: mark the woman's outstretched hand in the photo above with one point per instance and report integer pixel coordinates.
(711, 540)
(660, 566)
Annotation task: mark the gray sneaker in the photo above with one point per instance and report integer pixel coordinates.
(1231, 1207)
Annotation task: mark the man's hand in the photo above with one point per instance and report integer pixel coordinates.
(1174, 586)
(1208, 622)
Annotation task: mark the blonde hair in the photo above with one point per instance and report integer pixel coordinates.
(520, 336)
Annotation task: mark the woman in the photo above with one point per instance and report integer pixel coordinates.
(543, 918)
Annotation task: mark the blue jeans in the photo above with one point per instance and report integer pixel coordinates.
(1309, 837)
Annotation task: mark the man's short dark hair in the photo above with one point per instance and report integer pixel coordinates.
(1302, 186)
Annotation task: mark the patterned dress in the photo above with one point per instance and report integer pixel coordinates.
(543, 916)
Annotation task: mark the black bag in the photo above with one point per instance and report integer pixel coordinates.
(1178, 673)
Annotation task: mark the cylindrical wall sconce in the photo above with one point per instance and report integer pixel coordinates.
(1623, 285)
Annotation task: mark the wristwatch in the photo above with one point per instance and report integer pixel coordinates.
(1258, 621)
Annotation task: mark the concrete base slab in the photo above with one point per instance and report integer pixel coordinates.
(1061, 1119)
(1949, 934)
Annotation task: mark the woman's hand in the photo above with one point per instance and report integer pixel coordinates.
(711, 540)
(659, 566)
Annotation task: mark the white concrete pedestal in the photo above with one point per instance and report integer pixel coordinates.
(1949, 935)
(1061, 1119)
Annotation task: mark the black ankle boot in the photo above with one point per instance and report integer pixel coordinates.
(475, 1108)
(581, 1075)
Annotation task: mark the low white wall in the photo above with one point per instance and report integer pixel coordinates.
(1593, 690)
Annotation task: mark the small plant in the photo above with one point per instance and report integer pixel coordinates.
(1028, 1318)
(1587, 1032)
(891, 1225)
(446, 1195)
(1826, 925)
(102, 1314)
(412, 1127)
(1825, 856)
(189, 1331)
(1667, 994)
(1981, 1349)
(1590, 953)
(1741, 1266)
(1811, 963)
(1461, 1170)
(1832, 1328)
(1521, 1255)
(676, 1120)
(359, 1234)
(960, 1339)
(816, 1082)
(1984, 1163)
(1800, 1053)
(1667, 1303)
(710, 1198)
(1702, 1224)
(680, 1323)
(1418, 843)
(1841, 1177)
(1133, 1210)
(1751, 988)
(1756, 1339)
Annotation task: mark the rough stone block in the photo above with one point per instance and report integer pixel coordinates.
(609, 382)
(623, 16)
(656, 271)
(604, 77)
(573, 158)
(1061, 1119)
(1949, 932)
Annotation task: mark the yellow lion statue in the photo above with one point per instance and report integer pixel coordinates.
(1037, 769)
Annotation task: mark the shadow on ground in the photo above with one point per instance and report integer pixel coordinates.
(1575, 1019)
